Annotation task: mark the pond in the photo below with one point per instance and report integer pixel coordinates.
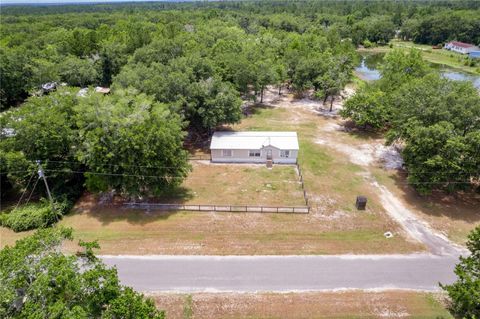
(368, 70)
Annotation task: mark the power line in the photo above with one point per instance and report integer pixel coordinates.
(185, 177)
(111, 165)
(140, 166)
(21, 197)
(36, 182)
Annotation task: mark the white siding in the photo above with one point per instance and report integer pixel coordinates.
(242, 156)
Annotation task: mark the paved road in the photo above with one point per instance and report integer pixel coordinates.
(282, 273)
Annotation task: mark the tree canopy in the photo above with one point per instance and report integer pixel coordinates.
(125, 141)
(465, 292)
(437, 121)
(38, 281)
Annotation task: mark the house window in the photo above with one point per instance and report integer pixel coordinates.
(254, 153)
(227, 153)
(285, 153)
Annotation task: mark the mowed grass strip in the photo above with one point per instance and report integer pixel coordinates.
(350, 304)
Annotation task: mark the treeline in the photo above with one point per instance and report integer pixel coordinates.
(435, 121)
(46, 43)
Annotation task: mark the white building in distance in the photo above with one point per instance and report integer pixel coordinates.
(461, 47)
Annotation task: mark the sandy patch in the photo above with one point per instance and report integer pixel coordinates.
(366, 154)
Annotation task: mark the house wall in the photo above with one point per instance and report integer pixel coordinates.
(242, 156)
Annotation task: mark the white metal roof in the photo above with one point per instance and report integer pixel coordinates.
(254, 140)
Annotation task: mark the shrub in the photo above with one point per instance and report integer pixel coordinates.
(367, 44)
(32, 216)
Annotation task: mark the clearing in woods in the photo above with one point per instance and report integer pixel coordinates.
(332, 181)
(336, 167)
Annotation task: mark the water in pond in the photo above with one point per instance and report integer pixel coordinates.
(368, 70)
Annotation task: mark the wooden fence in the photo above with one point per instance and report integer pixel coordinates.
(221, 208)
(199, 157)
(305, 196)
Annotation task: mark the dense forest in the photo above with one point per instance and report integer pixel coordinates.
(176, 69)
(88, 45)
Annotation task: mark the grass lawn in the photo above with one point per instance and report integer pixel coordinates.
(438, 56)
(350, 304)
(241, 184)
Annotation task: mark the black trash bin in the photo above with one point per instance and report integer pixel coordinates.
(361, 203)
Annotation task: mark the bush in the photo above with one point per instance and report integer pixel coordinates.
(32, 216)
(367, 44)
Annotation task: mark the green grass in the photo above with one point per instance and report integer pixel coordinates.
(188, 307)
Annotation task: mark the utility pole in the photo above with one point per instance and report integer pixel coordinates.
(41, 174)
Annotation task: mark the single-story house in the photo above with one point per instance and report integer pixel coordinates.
(254, 147)
(461, 47)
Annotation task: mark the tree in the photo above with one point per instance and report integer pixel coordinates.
(280, 75)
(308, 70)
(212, 103)
(205, 101)
(130, 143)
(465, 292)
(42, 129)
(14, 75)
(331, 84)
(266, 76)
(399, 67)
(436, 158)
(367, 108)
(78, 72)
(38, 281)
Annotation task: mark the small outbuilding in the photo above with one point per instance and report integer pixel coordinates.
(254, 147)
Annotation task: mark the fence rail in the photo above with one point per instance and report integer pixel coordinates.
(200, 157)
(305, 195)
(221, 208)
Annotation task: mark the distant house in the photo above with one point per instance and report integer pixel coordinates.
(254, 147)
(461, 47)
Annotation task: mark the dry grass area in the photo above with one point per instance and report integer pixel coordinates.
(242, 184)
(122, 231)
(351, 304)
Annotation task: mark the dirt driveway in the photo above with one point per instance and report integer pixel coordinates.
(369, 151)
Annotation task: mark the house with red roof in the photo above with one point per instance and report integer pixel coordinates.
(461, 47)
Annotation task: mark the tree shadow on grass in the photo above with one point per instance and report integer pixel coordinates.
(461, 206)
(117, 210)
(360, 133)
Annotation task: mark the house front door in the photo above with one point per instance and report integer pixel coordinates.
(269, 154)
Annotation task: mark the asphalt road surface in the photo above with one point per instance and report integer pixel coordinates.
(283, 273)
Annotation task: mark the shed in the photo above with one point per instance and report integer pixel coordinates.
(254, 147)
